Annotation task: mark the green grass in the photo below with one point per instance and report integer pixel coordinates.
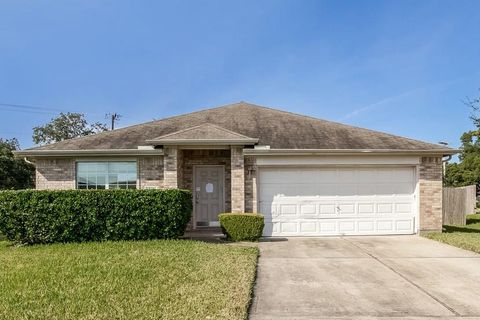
(169, 279)
(465, 237)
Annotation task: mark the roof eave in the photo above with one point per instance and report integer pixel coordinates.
(271, 152)
(87, 152)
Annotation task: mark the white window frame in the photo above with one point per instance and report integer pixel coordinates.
(107, 184)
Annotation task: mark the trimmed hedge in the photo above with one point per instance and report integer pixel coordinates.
(33, 216)
(242, 226)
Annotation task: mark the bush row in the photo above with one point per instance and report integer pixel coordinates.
(32, 216)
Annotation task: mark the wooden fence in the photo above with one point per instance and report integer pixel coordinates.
(457, 203)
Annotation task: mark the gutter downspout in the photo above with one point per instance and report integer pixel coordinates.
(28, 161)
(445, 161)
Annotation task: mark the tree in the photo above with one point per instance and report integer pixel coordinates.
(14, 173)
(66, 126)
(467, 171)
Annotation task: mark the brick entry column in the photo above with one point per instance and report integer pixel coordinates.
(431, 172)
(238, 179)
(170, 167)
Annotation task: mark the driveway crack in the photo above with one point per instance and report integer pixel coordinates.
(404, 277)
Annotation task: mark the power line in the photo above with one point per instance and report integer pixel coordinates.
(37, 109)
(115, 117)
(24, 106)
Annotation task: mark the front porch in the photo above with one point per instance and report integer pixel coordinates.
(217, 176)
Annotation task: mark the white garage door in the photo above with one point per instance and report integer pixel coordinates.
(337, 201)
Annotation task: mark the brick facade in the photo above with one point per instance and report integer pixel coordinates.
(170, 167)
(175, 169)
(238, 179)
(430, 184)
(250, 184)
(55, 173)
(150, 172)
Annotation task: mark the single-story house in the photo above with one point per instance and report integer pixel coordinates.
(307, 176)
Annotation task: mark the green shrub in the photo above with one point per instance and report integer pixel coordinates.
(242, 226)
(32, 216)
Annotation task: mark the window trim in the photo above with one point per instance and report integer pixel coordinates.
(106, 161)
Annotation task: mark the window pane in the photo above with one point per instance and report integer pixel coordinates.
(99, 175)
(114, 167)
(101, 167)
(101, 180)
(82, 167)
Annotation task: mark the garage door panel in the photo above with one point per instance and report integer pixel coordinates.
(404, 225)
(346, 176)
(327, 208)
(383, 208)
(367, 226)
(366, 208)
(308, 209)
(327, 227)
(385, 225)
(326, 189)
(308, 227)
(337, 201)
(288, 227)
(346, 189)
(403, 207)
(367, 189)
(288, 209)
(327, 176)
(403, 175)
(346, 208)
(346, 226)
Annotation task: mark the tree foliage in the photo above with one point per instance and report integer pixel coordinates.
(66, 126)
(467, 171)
(14, 173)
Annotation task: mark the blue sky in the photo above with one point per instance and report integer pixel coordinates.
(402, 67)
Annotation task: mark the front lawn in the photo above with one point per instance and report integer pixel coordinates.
(166, 279)
(465, 237)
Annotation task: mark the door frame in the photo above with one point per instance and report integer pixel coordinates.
(195, 167)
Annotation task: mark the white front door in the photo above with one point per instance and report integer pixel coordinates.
(208, 194)
(337, 201)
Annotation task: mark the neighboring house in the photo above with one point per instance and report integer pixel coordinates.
(307, 176)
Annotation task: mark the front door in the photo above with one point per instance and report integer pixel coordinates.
(209, 195)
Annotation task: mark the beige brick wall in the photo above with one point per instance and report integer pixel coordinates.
(150, 172)
(55, 173)
(238, 179)
(170, 167)
(431, 193)
(250, 184)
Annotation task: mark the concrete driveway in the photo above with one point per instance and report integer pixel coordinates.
(354, 277)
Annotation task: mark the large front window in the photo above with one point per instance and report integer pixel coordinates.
(107, 175)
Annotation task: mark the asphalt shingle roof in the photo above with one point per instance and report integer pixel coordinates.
(276, 128)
